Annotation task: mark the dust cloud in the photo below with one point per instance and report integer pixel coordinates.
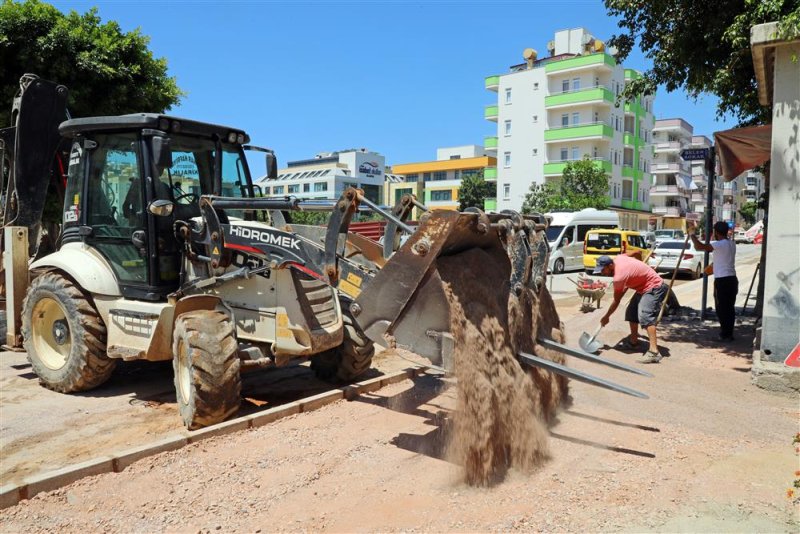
(502, 409)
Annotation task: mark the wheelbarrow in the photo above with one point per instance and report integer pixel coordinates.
(589, 294)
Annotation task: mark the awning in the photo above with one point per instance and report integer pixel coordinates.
(741, 149)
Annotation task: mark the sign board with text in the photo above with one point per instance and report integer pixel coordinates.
(694, 154)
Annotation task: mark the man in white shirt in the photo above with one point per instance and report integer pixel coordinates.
(726, 285)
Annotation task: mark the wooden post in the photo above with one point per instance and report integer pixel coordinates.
(15, 264)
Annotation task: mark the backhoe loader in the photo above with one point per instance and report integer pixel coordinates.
(166, 252)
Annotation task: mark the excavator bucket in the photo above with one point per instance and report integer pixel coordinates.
(405, 305)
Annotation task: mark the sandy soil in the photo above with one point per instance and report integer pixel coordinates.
(708, 452)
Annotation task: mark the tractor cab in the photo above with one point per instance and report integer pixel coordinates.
(131, 177)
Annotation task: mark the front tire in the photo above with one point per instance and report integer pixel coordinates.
(558, 266)
(349, 360)
(64, 336)
(206, 362)
(698, 272)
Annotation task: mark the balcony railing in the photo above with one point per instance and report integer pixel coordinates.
(667, 146)
(698, 197)
(490, 113)
(592, 60)
(669, 211)
(492, 82)
(599, 94)
(490, 143)
(490, 173)
(664, 190)
(589, 130)
(665, 167)
(556, 167)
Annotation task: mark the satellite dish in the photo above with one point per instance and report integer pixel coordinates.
(529, 53)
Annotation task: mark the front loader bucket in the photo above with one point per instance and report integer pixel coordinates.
(405, 305)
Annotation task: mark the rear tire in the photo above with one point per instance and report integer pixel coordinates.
(206, 362)
(698, 272)
(349, 360)
(558, 266)
(64, 336)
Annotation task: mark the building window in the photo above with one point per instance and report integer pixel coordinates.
(320, 187)
(306, 188)
(576, 153)
(565, 86)
(456, 174)
(627, 190)
(506, 191)
(535, 151)
(536, 118)
(441, 195)
(564, 119)
(455, 157)
(508, 127)
(596, 81)
(564, 154)
(468, 173)
(576, 118)
(507, 159)
(294, 188)
(412, 177)
(576, 84)
(439, 176)
(536, 86)
(508, 96)
(594, 152)
(426, 176)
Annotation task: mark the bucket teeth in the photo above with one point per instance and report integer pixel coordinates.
(583, 355)
(535, 361)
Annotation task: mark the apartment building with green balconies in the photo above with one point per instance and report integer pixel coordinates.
(559, 108)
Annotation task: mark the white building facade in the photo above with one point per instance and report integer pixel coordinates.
(671, 191)
(328, 174)
(558, 109)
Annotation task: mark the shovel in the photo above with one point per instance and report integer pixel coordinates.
(589, 343)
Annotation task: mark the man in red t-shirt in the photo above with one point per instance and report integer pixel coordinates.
(643, 309)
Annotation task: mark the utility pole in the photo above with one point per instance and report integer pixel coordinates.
(712, 178)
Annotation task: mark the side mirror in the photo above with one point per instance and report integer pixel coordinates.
(272, 166)
(161, 208)
(162, 153)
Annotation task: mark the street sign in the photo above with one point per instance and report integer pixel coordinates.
(692, 216)
(694, 154)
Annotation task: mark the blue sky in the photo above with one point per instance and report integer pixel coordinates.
(400, 78)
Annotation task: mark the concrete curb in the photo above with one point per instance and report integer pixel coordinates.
(12, 494)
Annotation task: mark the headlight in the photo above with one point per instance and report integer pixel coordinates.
(163, 125)
(176, 126)
(240, 139)
(232, 137)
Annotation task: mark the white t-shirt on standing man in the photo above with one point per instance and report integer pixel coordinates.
(724, 258)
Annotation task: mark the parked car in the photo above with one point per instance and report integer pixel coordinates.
(610, 242)
(566, 232)
(740, 236)
(649, 238)
(667, 234)
(668, 252)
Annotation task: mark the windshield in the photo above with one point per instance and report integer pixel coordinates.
(553, 232)
(602, 241)
(192, 170)
(668, 233)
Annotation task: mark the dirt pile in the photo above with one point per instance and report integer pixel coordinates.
(499, 422)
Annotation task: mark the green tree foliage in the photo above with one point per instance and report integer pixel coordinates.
(473, 190)
(107, 71)
(748, 212)
(702, 47)
(582, 185)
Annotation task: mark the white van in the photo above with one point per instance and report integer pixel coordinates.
(565, 235)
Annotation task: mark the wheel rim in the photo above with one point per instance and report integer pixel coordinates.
(52, 338)
(184, 373)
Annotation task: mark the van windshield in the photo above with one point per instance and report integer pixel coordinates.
(553, 232)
